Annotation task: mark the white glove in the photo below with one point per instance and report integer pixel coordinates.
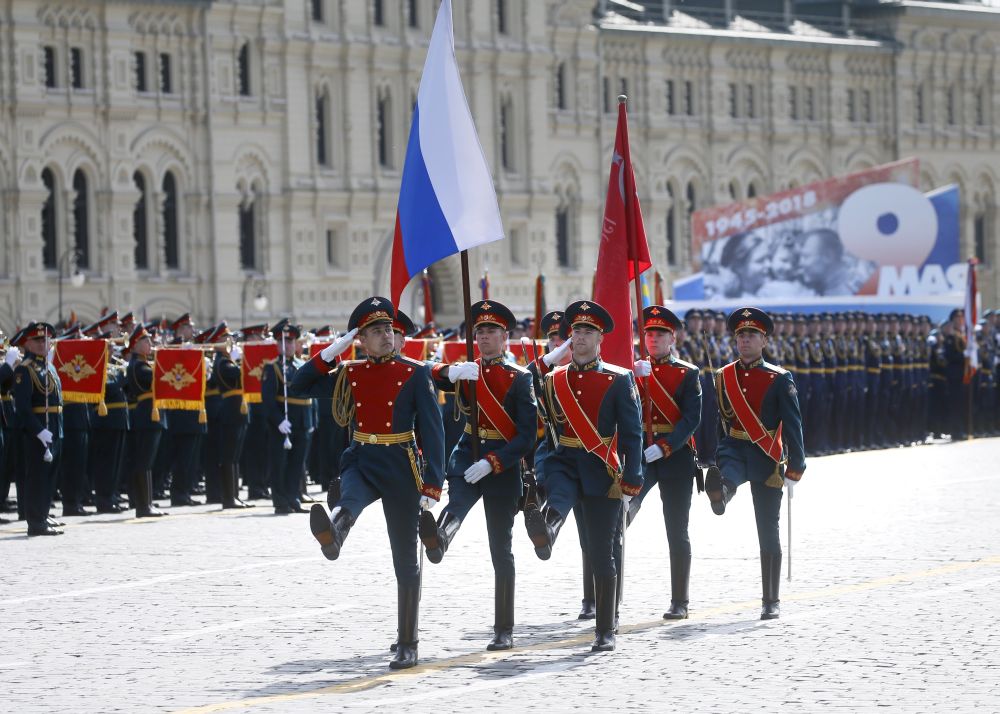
(478, 470)
(652, 453)
(45, 436)
(285, 427)
(642, 368)
(235, 353)
(556, 355)
(427, 503)
(626, 499)
(12, 356)
(463, 370)
(338, 345)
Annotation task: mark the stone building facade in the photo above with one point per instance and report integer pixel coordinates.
(192, 155)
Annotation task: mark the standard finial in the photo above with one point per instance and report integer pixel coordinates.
(622, 99)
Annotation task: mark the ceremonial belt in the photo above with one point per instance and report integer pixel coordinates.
(485, 433)
(590, 438)
(7, 398)
(874, 370)
(143, 397)
(232, 393)
(46, 410)
(116, 405)
(769, 443)
(294, 400)
(404, 437)
(663, 428)
(211, 392)
(740, 434)
(494, 411)
(574, 443)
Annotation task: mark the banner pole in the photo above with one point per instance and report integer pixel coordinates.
(470, 356)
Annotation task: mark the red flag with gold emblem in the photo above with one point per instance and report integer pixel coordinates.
(256, 356)
(179, 379)
(82, 366)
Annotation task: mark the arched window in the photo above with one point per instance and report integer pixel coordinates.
(248, 233)
(671, 228)
(751, 190)
(563, 256)
(412, 15)
(81, 219)
(561, 86)
(317, 10)
(171, 242)
(49, 254)
(244, 69)
(140, 224)
(692, 204)
(384, 129)
(323, 129)
(506, 134)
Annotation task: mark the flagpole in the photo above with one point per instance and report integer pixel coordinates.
(633, 249)
(469, 355)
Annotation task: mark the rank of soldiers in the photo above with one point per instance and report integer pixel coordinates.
(386, 412)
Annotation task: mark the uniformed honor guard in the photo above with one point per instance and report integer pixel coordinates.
(38, 404)
(289, 422)
(254, 457)
(387, 399)
(762, 438)
(507, 417)
(598, 460)
(671, 399)
(146, 424)
(227, 423)
(10, 437)
(185, 432)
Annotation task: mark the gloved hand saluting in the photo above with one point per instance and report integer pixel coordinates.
(12, 356)
(556, 355)
(338, 345)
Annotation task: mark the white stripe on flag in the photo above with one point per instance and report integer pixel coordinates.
(450, 147)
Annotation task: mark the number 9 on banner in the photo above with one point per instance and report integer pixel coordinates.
(889, 223)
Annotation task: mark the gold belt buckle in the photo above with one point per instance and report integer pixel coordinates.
(372, 438)
(482, 432)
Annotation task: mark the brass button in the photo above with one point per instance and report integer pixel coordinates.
(372, 439)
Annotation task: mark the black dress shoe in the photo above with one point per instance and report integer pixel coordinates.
(150, 513)
(588, 610)
(297, 508)
(76, 512)
(53, 523)
(46, 531)
(113, 508)
(282, 511)
(306, 498)
(184, 501)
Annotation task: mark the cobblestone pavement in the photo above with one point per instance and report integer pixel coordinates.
(893, 604)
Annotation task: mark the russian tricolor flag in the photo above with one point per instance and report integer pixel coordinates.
(447, 202)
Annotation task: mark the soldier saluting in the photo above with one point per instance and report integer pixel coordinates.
(763, 432)
(671, 389)
(506, 433)
(384, 398)
(596, 415)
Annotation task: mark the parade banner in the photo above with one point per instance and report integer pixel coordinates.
(179, 380)
(256, 355)
(82, 366)
(868, 239)
(417, 349)
(455, 352)
(523, 353)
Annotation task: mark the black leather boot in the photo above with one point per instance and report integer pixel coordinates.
(230, 488)
(680, 572)
(436, 536)
(333, 492)
(330, 534)
(770, 575)
(408, 608)
(503, 617)
(588, 608)
(543, 527)
(607, 599)
(145, 508)
(719, 492)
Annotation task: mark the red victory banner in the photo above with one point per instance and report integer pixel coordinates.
(256, 356)
(179, 380)
(82, 366)
(416, 348)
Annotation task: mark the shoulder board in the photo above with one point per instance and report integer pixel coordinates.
(614, 369)
(409, 360)
(686, 365)
(719, 370)
(774, 368)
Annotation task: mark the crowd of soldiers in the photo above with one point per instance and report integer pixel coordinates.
(561, 432)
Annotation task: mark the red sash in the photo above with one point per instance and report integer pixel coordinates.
(662, 400)
(578, 419)
(770, 445)
(493, 409)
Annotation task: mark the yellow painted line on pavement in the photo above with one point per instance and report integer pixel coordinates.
(369, 682)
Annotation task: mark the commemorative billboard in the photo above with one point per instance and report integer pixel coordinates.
(865, 241)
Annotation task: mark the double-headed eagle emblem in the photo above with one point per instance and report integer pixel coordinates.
(77, 369)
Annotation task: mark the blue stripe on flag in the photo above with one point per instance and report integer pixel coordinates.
(427, 237)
